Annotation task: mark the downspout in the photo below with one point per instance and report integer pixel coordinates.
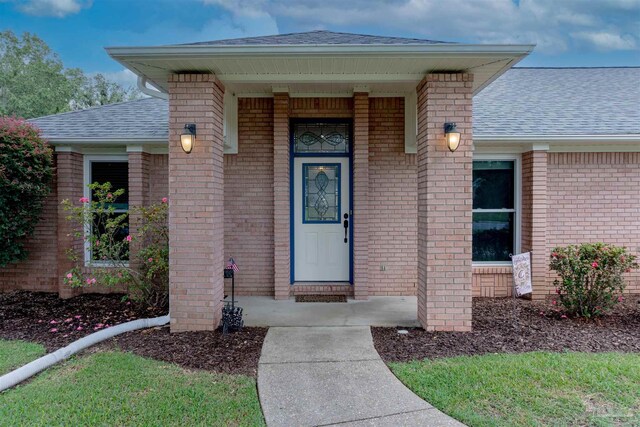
(17, 376)
(142, 86)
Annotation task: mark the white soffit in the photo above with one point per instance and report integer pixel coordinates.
(256, 69)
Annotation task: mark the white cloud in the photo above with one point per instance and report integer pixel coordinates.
(555, 26)
(604, 41)
(55, 8)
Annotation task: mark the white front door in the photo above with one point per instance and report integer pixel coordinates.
(321, 201)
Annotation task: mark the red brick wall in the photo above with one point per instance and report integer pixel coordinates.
(393, 239)
(248, 199)
(39, 271)
(444, 203)
(594, 197)
(158, 177)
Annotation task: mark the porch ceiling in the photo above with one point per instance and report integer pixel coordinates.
(331, 70)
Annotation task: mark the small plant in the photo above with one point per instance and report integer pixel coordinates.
(144, 272)
(25, 178)
(591, 278)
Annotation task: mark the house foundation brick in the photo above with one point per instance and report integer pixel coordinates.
(281, 202)
(196, 203)
(138, 164)
(444, 204)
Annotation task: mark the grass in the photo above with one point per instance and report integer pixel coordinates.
(14, 354)
(115, 388)
(531, 389)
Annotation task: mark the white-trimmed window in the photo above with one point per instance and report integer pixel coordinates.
(496, 212)
(115, 170)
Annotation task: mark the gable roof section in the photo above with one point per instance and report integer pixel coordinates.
(531, 102)
(316, 38)
(142, 119)
(543, 103)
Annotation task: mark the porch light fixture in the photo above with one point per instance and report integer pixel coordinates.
(188, 137)
(452, 136)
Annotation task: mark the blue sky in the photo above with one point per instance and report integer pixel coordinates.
(567, 32)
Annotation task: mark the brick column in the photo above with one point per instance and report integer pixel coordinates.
(138, 194)
(281, 208)
(534, 217)
(69, 175)
(196, 203)
(360, 219)
(444, 203)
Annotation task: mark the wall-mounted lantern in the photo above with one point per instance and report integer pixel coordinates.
(452, 136)
(188, 137)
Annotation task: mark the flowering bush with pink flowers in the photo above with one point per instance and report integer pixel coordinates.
(25, 178)
(141, 268)
(591, 277)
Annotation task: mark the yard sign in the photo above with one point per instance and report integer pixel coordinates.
(522, 273)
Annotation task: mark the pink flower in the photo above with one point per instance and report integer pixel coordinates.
(93, 281)
(53, 322)
(128, 238)
(594, 264)
(150, 260)
(77, 316)
(69, 276)
(555, 254)
(554, 302)
(620, 299)
(97, 242)
(109, 195)
(68, 320)
(53, 330)
(165, 200)
(84, 200)
(88, 281)
(79, 328)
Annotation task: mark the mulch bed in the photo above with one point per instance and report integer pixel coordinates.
(539, 326)
(53, 322)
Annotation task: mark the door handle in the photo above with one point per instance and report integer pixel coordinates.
(346, 227)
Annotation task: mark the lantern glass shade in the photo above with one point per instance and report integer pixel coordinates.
(188, 138)
(452, 136)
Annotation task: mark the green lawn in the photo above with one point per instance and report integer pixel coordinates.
(114, 388)
(531, 389)
(14, 354)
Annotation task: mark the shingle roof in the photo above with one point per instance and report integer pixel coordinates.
(317, 38)
(560, 101)
(522, 102)
(142, 118)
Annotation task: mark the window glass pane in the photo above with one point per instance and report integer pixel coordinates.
(321, 137)
(99, 228)
(117, 173)
(492, 236)
(493, 185)
(321, 186)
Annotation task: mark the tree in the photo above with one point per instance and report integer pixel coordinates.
(25, 178)
(97, 90)
(34, 81)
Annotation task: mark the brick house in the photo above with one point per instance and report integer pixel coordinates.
(320, 164)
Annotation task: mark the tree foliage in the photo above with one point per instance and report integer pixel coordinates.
(25, 177)
(34, 81)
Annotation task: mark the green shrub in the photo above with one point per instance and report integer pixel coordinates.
(590, 276)
(105, 233)
(25, 178)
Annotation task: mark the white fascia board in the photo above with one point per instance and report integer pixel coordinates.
(193, 51)
(105, 141)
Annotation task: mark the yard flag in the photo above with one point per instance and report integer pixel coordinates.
(232, 265)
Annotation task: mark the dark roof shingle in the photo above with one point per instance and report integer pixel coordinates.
(319, 37)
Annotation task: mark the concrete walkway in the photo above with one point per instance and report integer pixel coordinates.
(376, 311)
(319, 376)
